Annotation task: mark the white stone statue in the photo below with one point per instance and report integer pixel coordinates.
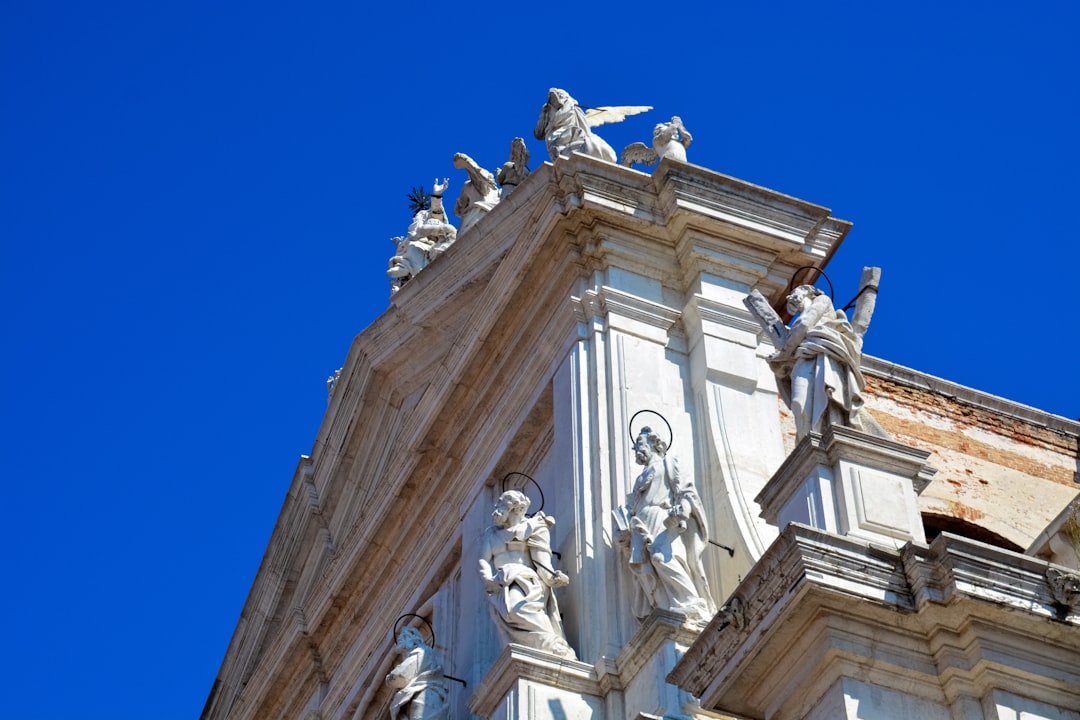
(663, 532)
(818, 358)
(516, 567)
(567, 128)
(429, 235)
(478, 195)
(670, 139)
(332, 381)
(514, 170)
(419, 681)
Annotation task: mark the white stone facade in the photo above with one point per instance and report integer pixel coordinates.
(590, 293)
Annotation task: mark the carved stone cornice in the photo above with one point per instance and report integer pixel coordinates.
(518, 662)
(606, 301)
(846, 601)
(1064, 587)
(659, 628)
(831, 446)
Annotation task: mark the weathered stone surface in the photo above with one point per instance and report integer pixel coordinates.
(588, 293)
(832, 622)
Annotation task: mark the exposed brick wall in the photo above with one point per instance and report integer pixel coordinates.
(1004, 474)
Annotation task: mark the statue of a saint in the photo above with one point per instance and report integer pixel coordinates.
(818, 358)
(516, 567)
(429, 235)
(478, 195)
(662, 529)
(419, 681)
(514, 170)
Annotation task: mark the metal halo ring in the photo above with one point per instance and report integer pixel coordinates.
(408, 615)
(502, 489)
(671, 433)
(821, 273)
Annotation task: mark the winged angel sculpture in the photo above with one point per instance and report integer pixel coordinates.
(670, 139)
(566, 127)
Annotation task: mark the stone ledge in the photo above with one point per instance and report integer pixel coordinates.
(813, 594)
(518, 662)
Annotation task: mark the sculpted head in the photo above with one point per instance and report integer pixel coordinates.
(511, 504)
(648, 445)
(801, 297)
(664, 132)
(410, 639)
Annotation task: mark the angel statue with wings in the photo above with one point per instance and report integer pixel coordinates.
(566, 127)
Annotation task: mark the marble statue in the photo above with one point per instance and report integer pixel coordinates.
(567, 128)
(662, 530)
(818, 358)
(478, 195)
(514, 170)
(332, 381)
(516, 567)
(670, 139)
(419, 681)
(429, 235)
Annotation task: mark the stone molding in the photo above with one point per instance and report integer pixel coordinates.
(518, 662)
(827, 449)
(992, 403)
(849, 482)
(661, 626)
(940, 620)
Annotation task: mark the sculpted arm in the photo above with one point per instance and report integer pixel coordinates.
(488, 572)
(539, 544)
(864, 306)
(401, 674)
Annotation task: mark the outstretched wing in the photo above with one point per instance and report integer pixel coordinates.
(638, 154)
(614, 114)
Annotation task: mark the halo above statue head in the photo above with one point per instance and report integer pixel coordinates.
(396, 635)
(633, 435)
(503, 488)
(821, 273)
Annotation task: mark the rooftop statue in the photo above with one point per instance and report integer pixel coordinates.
(515, 169)
(478, 195)
(516, 567)
(419, 681)
(662, 530)
(566, 127)
(670, 139)
(818, 358)
(429, 235)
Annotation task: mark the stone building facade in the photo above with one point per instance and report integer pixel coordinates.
(930, 573)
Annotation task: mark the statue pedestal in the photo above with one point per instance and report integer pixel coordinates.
(850, 483)
(644, 663)
(528, 684)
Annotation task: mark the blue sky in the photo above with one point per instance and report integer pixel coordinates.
(196, 201)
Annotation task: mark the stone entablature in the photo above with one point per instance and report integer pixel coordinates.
(950, 630)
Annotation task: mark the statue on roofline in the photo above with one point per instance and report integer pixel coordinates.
(514, 170)
(478, 195)
(566, 127)
(429, 235)
(670, 139)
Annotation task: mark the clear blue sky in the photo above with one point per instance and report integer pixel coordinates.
(196, 201)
